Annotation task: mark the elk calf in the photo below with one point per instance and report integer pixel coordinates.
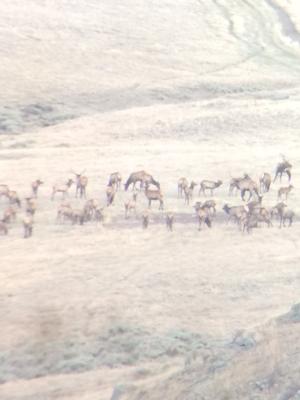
(130, 205)
(209, 185)
(284, 191)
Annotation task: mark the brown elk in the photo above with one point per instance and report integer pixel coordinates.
(188, 192)
(234, 184)
(204, 217)
(283, 167)
(170, 221)
(62, 188)
(35, 187)
(130, 205)
(28, 226)
(115, 179)
(284, 191)
(64, 212)
(254, 203)
(234, 212)
(81, 184)
(209, 185)
(154, 195)
(248, 185)
(142, 177)
(182, 183)
(208, 204)
(283, 213)
(265, 182)
(90, 208)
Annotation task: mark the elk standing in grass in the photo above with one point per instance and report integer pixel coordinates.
(209, 185)
(81, 184)
(154, 195)
(284, 191)
(142, 177)
(170, 221)
(64, 212)
(248, 185)
(115, 179)
(283, 213)
(181, 185)
(130, 205)
(204, 217)
(265, 182)
(188, 192)
(35, 187)
(90, 208)
(234, 212)
(283, 167)
(62, 189)
(234, 185)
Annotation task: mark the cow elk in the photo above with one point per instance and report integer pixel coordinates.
(81, 184)
(14, 198)
(209, 185)
(62, 189)
(188, 192)
(154, 195)
(110, 195)
(285, 191)
(28, 226)
(143, 178)
(283, 167)
(130, 205)
(3, 228)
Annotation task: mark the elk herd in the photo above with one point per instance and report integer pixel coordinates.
(251, 213)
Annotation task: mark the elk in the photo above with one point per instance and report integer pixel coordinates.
(3, 228)
(81, 184)
(188, 192)
(28, 226)
(110, 195)
(35, 187)
(64, 212)
(182, 183)
(234, 184)
(90, 208)
(265, 182)
(234, 212)
(209, 185)
(248, 185)
(283, 167)
(145, 220)
(4, 190)
(262, 215)
(208, 204)
(203, 217)
(142, 177)
(98, 215)
(30, 205)
(62, 188)
(284, 214)
(170, 221)
(115, 179)
(248, 222)
(154, 195)
(284, 191)
(14, 198)
(130, 205)
(9, 215)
